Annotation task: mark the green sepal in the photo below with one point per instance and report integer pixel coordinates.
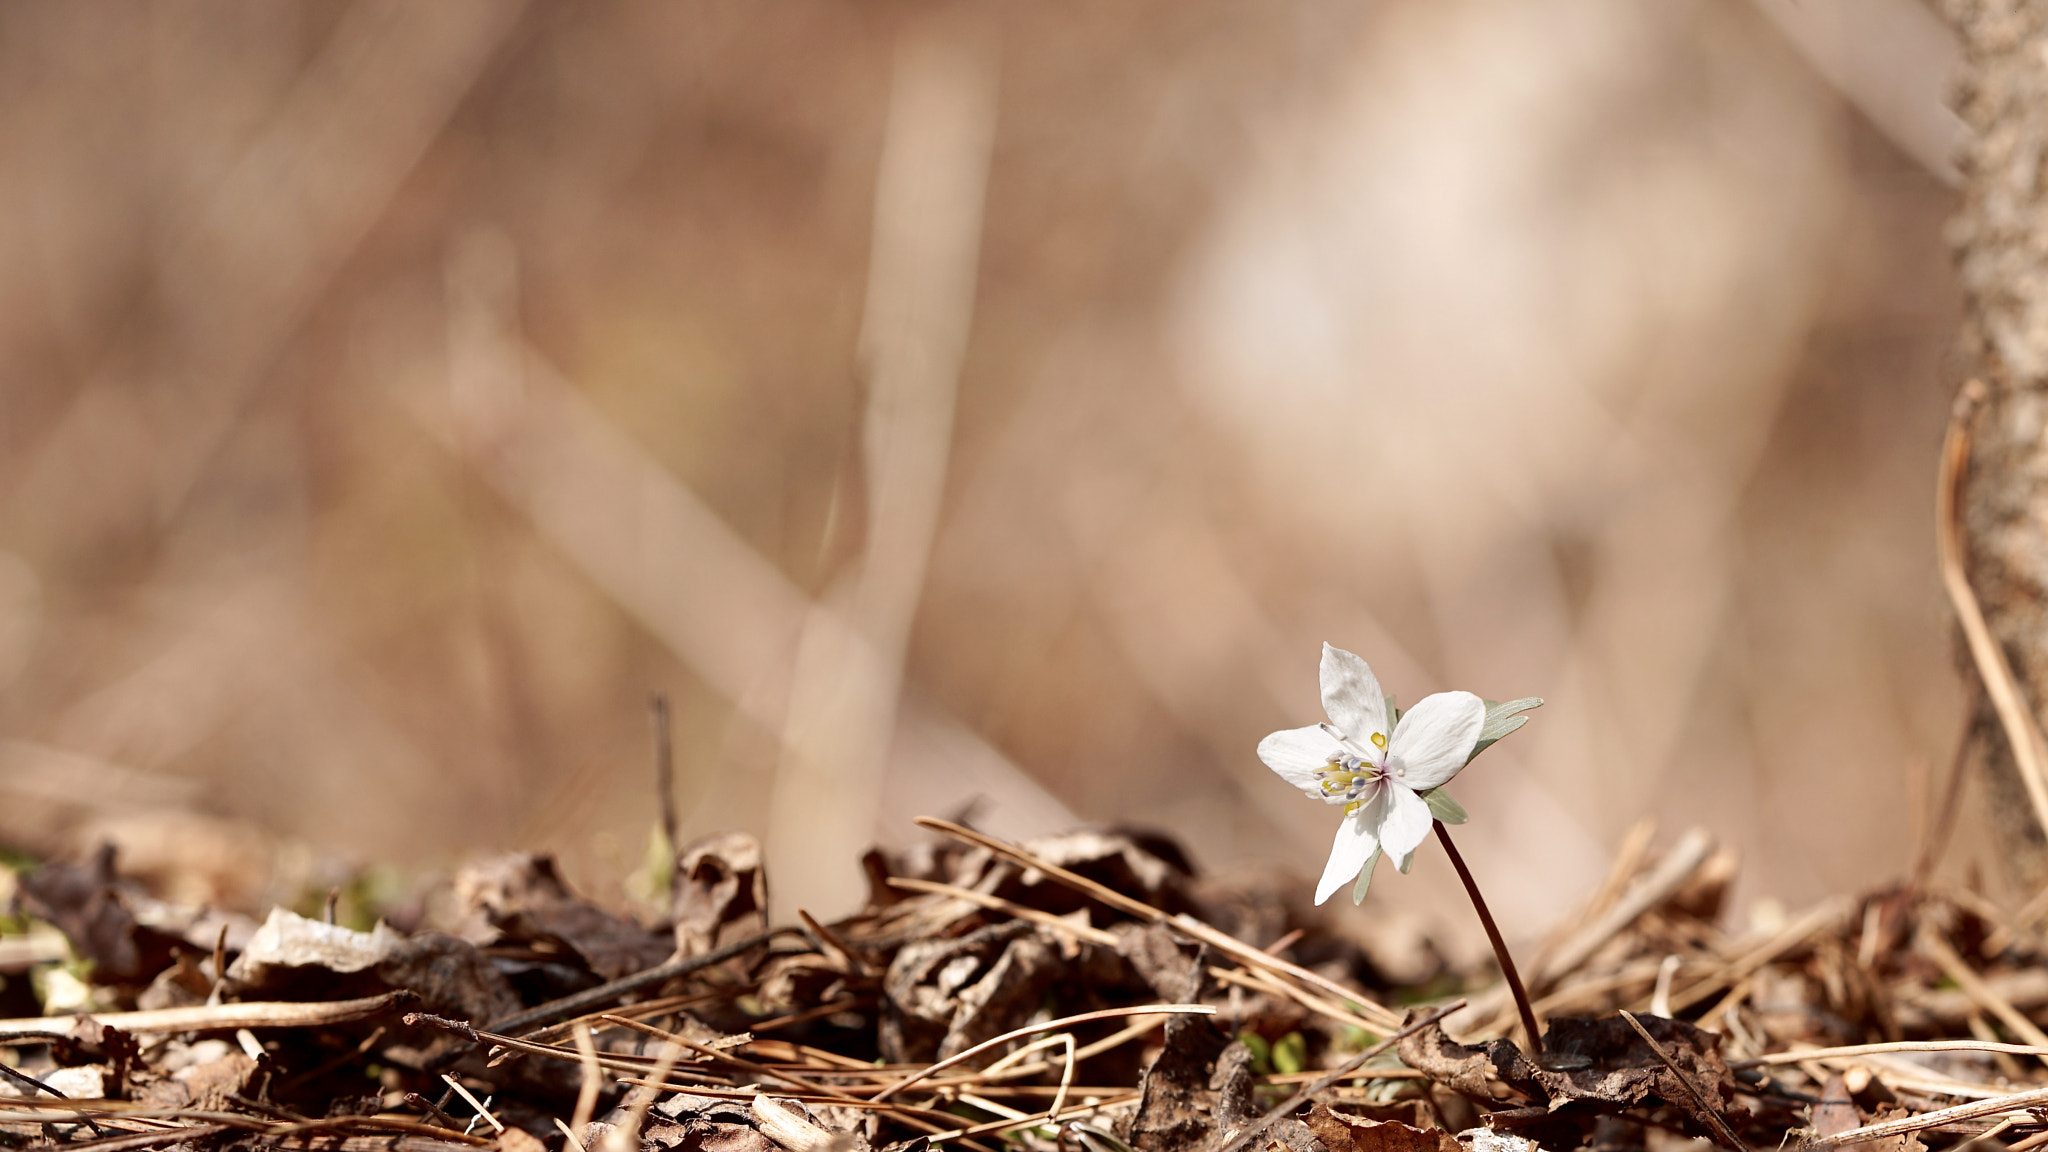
(1365, 877)
(1442, 807)
(1501, 719)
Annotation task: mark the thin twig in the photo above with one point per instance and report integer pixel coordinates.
(1195, 929)
(29, 1082)
(432, 1109)
(740, 1062)
(1307, 1091)
(1713, 1114)
(605, 993)
(664, 782)
(1010, 907)
(1983, 994)
(1798, 1054)
(1011, 1123)
(829, 941)
(224, 1017)
(829, 1008)
(1974, 1110)
(593, 1079)
(1048, 1026)
(474, 1103)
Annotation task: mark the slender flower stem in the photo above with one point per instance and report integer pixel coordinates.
(1500, 948)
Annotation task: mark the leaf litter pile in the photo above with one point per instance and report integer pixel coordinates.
(1082, 993)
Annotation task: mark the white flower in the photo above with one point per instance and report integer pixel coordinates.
(1376, 767)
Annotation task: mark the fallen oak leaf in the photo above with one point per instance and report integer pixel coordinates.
(1356, 1134)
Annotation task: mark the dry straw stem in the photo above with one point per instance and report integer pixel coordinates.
(644, 1008)
(1816, 919)
(1647, 892)
(998, 1126)
(117, 1111)
(1262, 982)
(2029, 749)
(1848, 1050)
(740, 1062)
(1977, 990)
(473, 1102)
(626, 1137)
(593, 1080)
(1976, 1110)
(221, 1017)
(1082, 932)
(1384, 1018)
(1048, 1026)
(1113, 1040)
(840, 1005)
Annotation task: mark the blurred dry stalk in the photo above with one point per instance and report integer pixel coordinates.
(1586, 355)
(920, 301)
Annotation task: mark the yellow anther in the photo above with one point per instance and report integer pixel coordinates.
(1379, 740)
(1354, 806)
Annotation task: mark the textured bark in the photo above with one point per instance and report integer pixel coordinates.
(2001, 239)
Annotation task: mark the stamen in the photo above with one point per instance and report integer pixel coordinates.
(1379, 740)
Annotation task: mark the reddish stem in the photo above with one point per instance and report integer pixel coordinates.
(1500, 947)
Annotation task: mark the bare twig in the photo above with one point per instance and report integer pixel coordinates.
(1195, 929)
(1010, 907)
(1976, 1109)
(473, 1102)
(665, 781)
(224, 1017)
(605, 993)
(1976, 989)
(593, 1079)
(1707, 1109)
(1048, 1026)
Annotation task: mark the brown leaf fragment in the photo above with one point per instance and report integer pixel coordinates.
(787, 1126)
(1604, 1062)
(1232, 1082)
(87, 903)
(704, 1124)
(453, 978)
(1344, 1133)
(1175, 1108)
(1493, 1072)
(205, 1087)
(943, 996)
(721, 892)
(1836, 1112)
(523, 897)
(519, 1140)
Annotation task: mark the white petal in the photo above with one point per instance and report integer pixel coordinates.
(1435, 739)
(1297, 754)
(1354, 844)
(1402, 821)
(1352, 697)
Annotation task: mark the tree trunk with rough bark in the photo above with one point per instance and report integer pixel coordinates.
(2001, 241)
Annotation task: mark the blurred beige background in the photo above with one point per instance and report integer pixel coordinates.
(989, 405)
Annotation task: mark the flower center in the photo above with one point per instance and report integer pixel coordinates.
(1346, 777)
